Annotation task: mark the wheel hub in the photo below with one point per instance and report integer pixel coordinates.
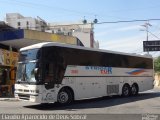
(63, 97)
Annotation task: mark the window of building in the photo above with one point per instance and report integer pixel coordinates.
(27, 23)
(19, 23)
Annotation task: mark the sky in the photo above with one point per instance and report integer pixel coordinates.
(123, 36)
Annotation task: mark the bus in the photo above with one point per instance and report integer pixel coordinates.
(52, 72)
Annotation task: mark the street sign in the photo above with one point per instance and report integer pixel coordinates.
(151, 45)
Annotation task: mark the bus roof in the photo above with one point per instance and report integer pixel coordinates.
(45, 44)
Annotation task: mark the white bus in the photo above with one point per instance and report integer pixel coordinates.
(53, 72)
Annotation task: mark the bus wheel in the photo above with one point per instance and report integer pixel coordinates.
(65, 96)
(134, 89)
(126, 90)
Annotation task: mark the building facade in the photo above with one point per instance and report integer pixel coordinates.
(16, 20)
(84, 32)
(8, 63)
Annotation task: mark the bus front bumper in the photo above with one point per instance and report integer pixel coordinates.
(37, 98)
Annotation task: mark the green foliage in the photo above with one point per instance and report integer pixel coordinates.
(157, 65)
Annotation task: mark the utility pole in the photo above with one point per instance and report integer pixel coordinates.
(146, 26)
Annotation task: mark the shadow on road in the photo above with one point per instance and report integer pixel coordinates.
(95, 103)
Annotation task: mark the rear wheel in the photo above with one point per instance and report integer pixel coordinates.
(126, 90)
(65, 96)
(134, 90)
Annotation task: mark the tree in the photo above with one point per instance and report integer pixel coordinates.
(157, 65)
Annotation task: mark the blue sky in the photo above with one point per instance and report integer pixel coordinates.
(125, 37)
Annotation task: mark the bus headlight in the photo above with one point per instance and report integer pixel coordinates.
(34, 91)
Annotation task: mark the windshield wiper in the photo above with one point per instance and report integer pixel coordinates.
(23, 77)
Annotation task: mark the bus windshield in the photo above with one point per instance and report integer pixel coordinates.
(25, 72)
(28, 63)
(32, 54)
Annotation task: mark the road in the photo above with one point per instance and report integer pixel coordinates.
(144, 103)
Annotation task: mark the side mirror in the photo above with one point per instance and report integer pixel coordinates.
(36, 71)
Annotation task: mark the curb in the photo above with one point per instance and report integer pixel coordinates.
(8, 99)
(158, 87)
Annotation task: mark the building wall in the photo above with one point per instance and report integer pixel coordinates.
(8, 62)
(84, 37)
(96, 44)
(84, 32)
(18, 21)
(43, 36)
(157, 80)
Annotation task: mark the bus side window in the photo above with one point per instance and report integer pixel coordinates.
(49, 72)
(59, 69)
(46, 72)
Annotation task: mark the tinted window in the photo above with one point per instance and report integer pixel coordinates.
(80, 57)
(94, 58)
(32, 54)
(54, 64)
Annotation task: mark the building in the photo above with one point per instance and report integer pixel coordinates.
(8, 63)
(4, 27)
(84, 32)
(16, 20)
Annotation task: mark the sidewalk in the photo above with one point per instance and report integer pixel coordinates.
(157, 88)
(8, 99)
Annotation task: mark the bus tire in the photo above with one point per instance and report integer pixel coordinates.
(134, 89)
(126, 90)
(65, 96)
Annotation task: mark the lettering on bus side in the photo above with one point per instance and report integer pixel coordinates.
(103, 70)
(74, 71)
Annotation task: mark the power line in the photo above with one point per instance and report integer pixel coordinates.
(154, 35)
(128, 21)
(35, 5)
(31, 4)
(111, 22)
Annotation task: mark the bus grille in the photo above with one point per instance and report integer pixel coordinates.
(24, 96)
(112, 89)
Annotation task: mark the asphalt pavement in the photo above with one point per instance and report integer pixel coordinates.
(145, 106)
